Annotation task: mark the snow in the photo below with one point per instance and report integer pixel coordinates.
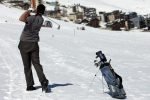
(67, 57)
(12, 15)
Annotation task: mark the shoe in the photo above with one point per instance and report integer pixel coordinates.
(45, 86)
(31, 88)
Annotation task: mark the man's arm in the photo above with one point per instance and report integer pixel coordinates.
(24, 16)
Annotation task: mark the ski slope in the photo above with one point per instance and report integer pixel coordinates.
(67, 57)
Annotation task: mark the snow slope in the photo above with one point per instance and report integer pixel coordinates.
(67, 57)
(140, 6)
(9, 14)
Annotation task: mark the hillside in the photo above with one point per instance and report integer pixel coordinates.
(140, 6)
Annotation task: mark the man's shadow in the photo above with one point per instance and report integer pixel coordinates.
(53, 86)
(59, 85)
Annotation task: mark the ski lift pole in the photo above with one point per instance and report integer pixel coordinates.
(54, 22)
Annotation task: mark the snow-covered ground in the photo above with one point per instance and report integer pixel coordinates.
(67, 57)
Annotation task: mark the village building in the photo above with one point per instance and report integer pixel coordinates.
(63, 11)
(90, 13)
(137, 20)
(147, 21)
(75, 12)
(103, 16)
(53, 9)
(94, 23)
(112, 16)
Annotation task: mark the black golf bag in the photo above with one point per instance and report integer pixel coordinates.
(113, 80)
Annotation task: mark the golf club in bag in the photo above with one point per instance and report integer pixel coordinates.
(113, 80)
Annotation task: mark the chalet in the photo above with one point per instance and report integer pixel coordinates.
(116, 26)
(75, 12)
(103, 16)
(72, 17)
(53, 9)
(137, 20)
(63, 11)
(147, 21)
(90, 13)
(94, 23)
(117, 19)
(114, 20)
(112, 16)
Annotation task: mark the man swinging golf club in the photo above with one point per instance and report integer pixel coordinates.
(29, 48)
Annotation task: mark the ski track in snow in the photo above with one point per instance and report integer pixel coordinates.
(12, 71)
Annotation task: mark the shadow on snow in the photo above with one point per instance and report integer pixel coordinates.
(54, 86)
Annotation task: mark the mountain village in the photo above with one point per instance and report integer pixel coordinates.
(115, 20)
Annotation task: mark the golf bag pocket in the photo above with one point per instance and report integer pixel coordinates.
(108, 75)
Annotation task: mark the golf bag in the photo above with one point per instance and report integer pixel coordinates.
(113, 80)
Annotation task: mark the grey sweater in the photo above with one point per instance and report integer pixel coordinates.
(32, 27)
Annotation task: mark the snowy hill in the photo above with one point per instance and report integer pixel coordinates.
(9, 14)
(67, 57)
(140, 6)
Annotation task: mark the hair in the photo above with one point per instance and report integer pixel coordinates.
(40, 9)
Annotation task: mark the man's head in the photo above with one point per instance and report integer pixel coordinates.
(40, 9)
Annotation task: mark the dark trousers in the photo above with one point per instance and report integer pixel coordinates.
(30, 55)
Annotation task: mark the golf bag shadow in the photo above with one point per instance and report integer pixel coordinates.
(113, 80)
